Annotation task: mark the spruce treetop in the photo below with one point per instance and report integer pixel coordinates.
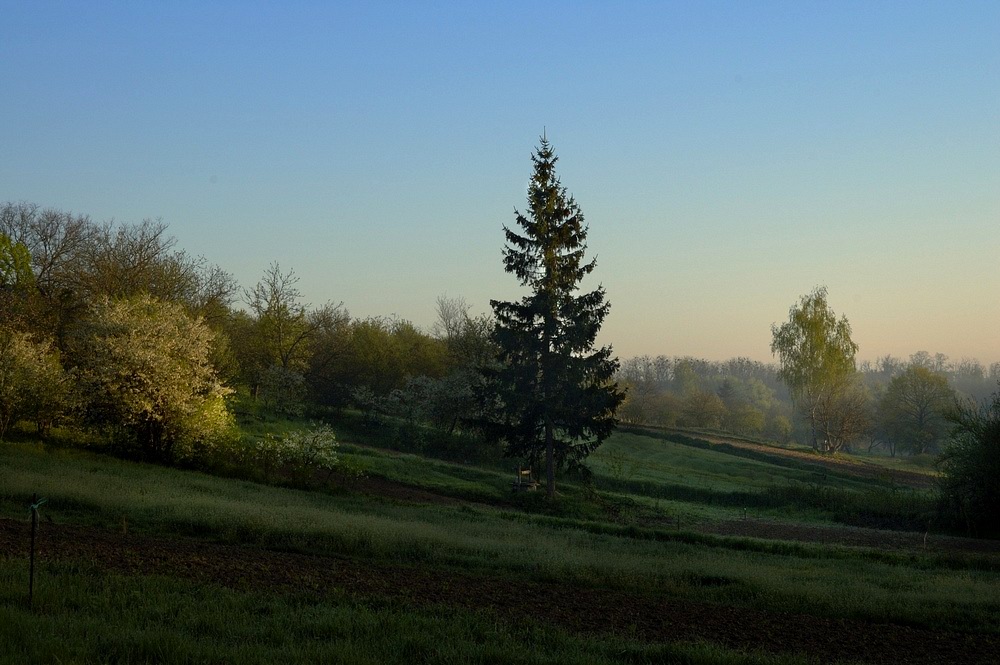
(549, 256)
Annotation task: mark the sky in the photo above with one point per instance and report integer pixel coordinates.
(729, 157)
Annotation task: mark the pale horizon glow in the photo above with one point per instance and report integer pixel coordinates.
(728, 157)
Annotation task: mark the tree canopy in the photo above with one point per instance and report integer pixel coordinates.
(552, 391)
(915, 407)
(33, 385)
(816, 354)
(15, 264)
(971, 466)
(144, 367)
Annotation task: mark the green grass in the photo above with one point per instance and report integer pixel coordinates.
(87, 616)
(702, 481)
(924, 464)
(656, 476)
(809, 579)
(449, 478)
(699, 464)
(665, 479)
(667, 462)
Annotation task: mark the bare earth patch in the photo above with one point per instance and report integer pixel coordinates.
(852, 537)
(385, 488)
(584, 610)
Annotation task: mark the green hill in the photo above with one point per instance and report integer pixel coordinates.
(677, 550)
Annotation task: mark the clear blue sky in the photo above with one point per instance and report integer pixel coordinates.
(728, 156)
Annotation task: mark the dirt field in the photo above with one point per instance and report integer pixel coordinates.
(577, 609)
(853, 537)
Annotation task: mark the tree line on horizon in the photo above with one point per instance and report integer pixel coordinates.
(110, 327)
(62, 274)
(111, 330)
(903, 405)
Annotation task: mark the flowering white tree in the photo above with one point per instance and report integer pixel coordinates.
(301, 453)
(145, 372)
(33, 385)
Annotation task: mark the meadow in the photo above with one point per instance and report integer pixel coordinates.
(676, 550)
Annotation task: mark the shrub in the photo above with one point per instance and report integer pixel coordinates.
(312, 449)
(147, 378)
(971, 467)
(33, 384)
(299, 454)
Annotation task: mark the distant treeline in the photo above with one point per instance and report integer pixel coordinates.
(111, 329)
(906, 401)
(82, 302)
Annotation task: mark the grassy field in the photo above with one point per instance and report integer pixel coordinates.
(650, 529)
(92, 617)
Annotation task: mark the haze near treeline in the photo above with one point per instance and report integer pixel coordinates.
(728, 159)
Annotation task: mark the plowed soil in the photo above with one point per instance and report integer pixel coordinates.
(853, 537)
(584, 610)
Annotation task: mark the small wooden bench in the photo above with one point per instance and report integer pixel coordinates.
(523, 482)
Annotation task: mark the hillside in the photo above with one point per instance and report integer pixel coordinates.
(682, 550)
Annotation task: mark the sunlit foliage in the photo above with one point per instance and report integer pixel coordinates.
(145, 371)
(33, 385)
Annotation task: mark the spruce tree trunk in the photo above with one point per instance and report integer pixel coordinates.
(550, 464)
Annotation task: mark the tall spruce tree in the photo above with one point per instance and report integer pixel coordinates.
(553, 391)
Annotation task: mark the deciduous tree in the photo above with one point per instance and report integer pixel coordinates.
(282, 324)
(276, 340)
(33, 385)
(843, 413)
(17, 282)
(816, 353)
(451, 400)
(145, 370)
(703, 409)
(76, 261)
(15, 264)
(914, 409)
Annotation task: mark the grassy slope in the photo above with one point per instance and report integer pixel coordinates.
(90, 617)
(585, 545)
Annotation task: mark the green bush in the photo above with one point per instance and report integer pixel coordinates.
(971, 467)
(296, 456)
(147, 379)
(33, 385)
